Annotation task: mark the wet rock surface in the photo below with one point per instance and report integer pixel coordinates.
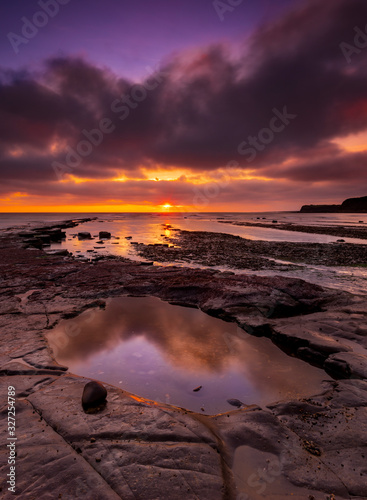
(217, 249)
(140, 449)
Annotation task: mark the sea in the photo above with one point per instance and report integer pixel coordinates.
(154, 227)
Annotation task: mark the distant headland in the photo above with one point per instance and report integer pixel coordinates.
(351, 205)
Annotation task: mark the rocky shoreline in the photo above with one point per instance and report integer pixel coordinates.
(139, 449)
(220, 249)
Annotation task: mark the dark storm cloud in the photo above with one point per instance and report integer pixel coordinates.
(348, 167)
(297, 63)
(206, 103)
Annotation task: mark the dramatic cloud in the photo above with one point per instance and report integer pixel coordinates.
(193, 114)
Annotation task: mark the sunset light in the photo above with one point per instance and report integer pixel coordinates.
(184, 113)
(183, 249)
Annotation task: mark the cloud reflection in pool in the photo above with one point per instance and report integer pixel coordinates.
(162, 352)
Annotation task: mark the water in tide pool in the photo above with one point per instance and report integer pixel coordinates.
(147, 228)
(169, 351)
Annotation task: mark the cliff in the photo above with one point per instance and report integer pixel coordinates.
(351, 205)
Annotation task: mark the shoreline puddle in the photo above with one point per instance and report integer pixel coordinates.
(163, 352)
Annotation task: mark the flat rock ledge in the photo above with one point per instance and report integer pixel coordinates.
(133, 448)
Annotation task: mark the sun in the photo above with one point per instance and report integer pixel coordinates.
(166, 207)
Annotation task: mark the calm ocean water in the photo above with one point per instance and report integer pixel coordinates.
(27, 219)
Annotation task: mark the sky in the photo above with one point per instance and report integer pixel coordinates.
(194, 105)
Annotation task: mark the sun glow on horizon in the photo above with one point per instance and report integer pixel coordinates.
(167, 207)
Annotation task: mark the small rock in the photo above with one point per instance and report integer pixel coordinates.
(311, 447)
(104, 234)
(235, 402)
(26, 234)
(33, 243)
(84, 236)
(94, 394)
(45, 238)
(197, 388)
(60, 253)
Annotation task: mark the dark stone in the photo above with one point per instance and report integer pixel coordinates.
(84, 236)
(197, 389)
(60, 253)
(56, 234)
(94, 394)
(45, 238)
(33, 243)
(26, 234)
(104, 234)
(235, 402)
